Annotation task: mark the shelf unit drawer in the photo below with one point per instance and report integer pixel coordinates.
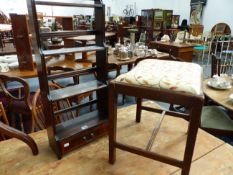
(83, 138)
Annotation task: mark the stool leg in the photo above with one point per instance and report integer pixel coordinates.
(191, 137)
(138, 110)
(112, 107)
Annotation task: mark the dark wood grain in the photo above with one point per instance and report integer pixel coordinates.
(22, 41)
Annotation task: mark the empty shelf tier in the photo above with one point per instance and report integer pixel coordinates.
(68, 4)
(72, 50)
(78, 89)
(75, 126)
(72, 73)
(67, 33)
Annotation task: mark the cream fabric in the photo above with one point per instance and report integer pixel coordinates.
(170, 75)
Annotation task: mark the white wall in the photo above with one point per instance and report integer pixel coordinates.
(181, 7)
(13, 6)
(214, 12)
(217, 11)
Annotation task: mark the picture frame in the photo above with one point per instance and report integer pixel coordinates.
(196, 13)
(175, 21)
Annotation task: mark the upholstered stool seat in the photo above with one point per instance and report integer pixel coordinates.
(169, 75)
(166, 81)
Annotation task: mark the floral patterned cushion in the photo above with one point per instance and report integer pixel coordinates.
(171, 75)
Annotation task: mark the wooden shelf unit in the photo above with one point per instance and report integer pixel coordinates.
(77, 132)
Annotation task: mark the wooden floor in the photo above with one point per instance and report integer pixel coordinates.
(212, 156)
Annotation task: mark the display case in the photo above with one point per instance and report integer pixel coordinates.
(158, 22)
(147, 18)
(154, 21)
(147, 23)
(167, 18)
(158, 15)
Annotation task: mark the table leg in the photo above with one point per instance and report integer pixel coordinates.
(130, 66)
(84, 54)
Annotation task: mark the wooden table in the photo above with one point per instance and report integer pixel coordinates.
(69, 61)
(115, 62)
(183, 50)
(219, 96)
(70, 42)
(64, 61)
(211, 156)
(4, 28)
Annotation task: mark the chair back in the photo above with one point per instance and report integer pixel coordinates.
(63, 81)
(38, 112)
(221, 66)
(15, 96)
(215, 65)
(15, 89)
(3, 118)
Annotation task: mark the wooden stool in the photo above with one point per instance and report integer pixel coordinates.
(154, 80)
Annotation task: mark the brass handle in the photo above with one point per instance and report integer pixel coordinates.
(85, 138)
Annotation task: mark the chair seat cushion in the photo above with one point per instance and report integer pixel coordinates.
(200, 47)
(169, 75)
(215, 117)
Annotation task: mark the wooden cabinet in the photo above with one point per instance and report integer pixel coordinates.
(71, 134)
(153, 21)
(22, 41)
(67, 23)
(147, 20)
(196, 29)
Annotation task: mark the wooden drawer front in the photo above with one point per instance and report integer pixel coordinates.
(165, 48)
(83, 138)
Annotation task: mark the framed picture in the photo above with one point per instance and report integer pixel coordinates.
(158, 25)
(108, 11)
(175, 21)
(196, 13)
(158, 14)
